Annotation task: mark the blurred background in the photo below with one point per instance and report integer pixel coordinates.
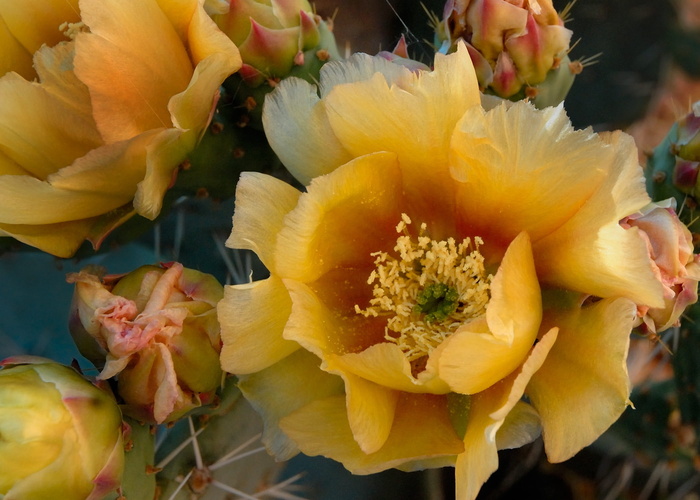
(640, 47)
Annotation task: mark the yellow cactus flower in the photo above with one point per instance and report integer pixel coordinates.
(99, 136)
(454, 281)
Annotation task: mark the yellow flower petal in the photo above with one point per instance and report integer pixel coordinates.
(14, 56)
(614, 261)
(342, 219)
(321, 428)
(320, 329)
(488, 411)
(216, 57)
(142, 64)
(262, 202)
(36, 22)
(370, 410)
(520, 161)
(476, 357)
(521, 426)
(303, 140)
(413, 118)
(65, 134)
(61, 239)
(252, 318)
(583, 386)
(281, 389)
(384, 363)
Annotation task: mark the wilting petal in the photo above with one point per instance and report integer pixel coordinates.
(262, 202)
(483, 352)
(422, 431)
(585, 370)
(283, 388)
(253, 336)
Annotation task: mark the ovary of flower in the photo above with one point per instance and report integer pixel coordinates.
(429, 291)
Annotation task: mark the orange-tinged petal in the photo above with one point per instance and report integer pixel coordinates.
(488, 411)
(342, 219)
(252, 318)
(142, 64)
(583, 386)
(216, 57)
(476, 357)
(520, 161)
(321, 428)
(284, 387)
(414, 118)
(370, 409)
(262, 202)
(384, 363)
(614, 261)
(294, 116)
(320, 329)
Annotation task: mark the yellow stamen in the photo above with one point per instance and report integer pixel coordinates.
(428, 290)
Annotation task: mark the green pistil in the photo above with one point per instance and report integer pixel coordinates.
(437, 301)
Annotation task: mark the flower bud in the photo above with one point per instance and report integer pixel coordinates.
(61, 435)
(273, 37)
(155, 329)
(521, 42)
(670, 246)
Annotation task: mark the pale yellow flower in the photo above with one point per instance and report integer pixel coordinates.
(100, 135)
(454, 280)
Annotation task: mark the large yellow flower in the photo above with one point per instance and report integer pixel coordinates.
(114, 112)
(454, 280)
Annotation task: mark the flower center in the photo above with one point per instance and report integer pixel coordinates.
(428, 290)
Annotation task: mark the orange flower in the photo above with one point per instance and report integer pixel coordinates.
(100, 135)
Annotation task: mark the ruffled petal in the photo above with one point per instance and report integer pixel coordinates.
(322, 428)
(252, 319)
(583, 386)
(614, 261)
(523, 162)
(284, 387)
(488, 410)
(262, 202)
(486, 350)
(133, 62)
(342, 219)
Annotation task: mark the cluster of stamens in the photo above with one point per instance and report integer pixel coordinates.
(427, 288)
